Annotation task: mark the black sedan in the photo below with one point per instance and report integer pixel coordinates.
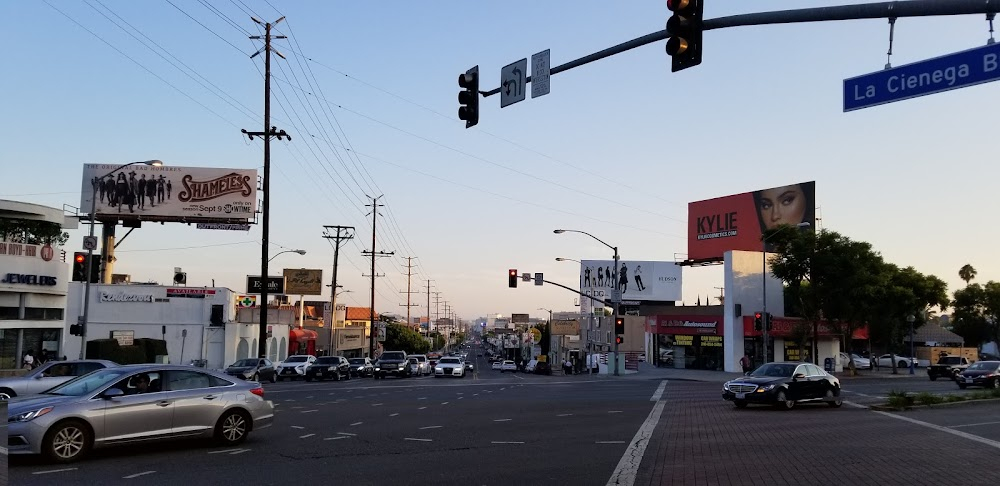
(361, 367)
(324, 367)
(981, 373)
(253, 369)
(783, 385)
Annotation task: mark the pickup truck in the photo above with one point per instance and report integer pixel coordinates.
(947, 367)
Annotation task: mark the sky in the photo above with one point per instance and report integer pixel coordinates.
(617, 149)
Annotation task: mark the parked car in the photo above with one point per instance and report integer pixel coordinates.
(449, 366)
(530, 367)
(132, 404)
(496, 365)
(981, 373)
(392, 363)
(508, 365)
(783, 385)
(948, 367)
(49, 375)
(859, 363)
(336, 367)
(423, 364)
(901, 361)
(295, 366)
(253, 369)
(361, 367)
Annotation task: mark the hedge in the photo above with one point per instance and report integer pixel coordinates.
(142, 351)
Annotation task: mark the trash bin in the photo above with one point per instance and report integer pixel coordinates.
(828, 365)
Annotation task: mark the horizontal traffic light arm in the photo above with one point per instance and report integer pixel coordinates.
(881, 10)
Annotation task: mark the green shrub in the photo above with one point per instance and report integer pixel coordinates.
(103, 349)
(927, 398)
(954, 398)
(132, 355)
(900, 399)
(152, 348)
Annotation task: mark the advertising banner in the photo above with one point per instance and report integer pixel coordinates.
(350, 338)
(637, 281)
(685, 325)
(166, 193)
(737, 222)
(275, 285)
(302, 281)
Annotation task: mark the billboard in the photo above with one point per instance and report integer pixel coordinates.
(303, 281)
(166, 193)
(564, 328)
(737, 222)
(637, 281)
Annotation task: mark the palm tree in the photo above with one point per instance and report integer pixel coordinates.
(967, 273)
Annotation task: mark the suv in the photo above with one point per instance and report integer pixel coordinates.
(324, 367)
(295, 366)
(392, 363)
(423, 364)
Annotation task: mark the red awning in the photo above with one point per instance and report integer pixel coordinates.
(300, 335)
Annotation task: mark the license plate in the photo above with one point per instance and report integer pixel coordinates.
(968, 380)
(740, 396)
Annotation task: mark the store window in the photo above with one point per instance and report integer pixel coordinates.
(689, 352)
(42, 314)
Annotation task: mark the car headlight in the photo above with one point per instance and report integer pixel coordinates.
(378, 368)
(766, 387)
(29, 416)
(725, 386)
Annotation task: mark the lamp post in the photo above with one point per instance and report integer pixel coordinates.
(616, 296)
(90, 254)
(763, 274)
(300, 252)
(913, 358)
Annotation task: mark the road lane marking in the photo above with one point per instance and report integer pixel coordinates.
(444, 403)
(610, 442)
(422, 398)
(224, 451)
(628, 466)
(297, 408)
(241, 451)
(506, 442)
(309, 411)
(501, 420)
(460, 398)
(421, 408)
(133, 476)
(307, 435)
(431, 427)
(855, 405)
(976, 438)
(55, 470)
(347, 433)
(356, 423)
(393, 414)
(973, 425)
(307, 398)
(377, 404)
(614, 411)
(338, 437)
(658, 394)
(298, 427)
(518, 377)
(418, 440)
(564, 415)
(475, 394)
(3, 450)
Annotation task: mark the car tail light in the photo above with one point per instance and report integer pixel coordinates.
(259, 391)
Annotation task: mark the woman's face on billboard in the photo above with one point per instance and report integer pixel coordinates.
(782, 205)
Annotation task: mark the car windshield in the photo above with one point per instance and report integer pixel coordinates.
(357, 361)
(396, 356)
(327, 360)
(87, 383)
(418, 358)
(984, 366)
(950, 360)
(774, 370)
(296, 359)
(245, 362)
(449, 361)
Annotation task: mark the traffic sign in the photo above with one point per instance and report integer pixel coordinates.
(952, 71)
(540, 74)
(512, 81)
(90, 243)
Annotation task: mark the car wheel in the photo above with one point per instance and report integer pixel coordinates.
(961, 386)
(67, 442)
(6, 394)
(347, 376)
(833, 398)
(336, 376)
(996, 384)
(255, 377)
(783, 402)
(740, 403)
(274, 377)
(933, 377)
(902, 364)
(232, 428)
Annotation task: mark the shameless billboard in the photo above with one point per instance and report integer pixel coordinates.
(737, 222)
(167, 193)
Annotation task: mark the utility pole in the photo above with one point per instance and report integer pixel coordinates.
(447, 327)
(437, 308)
(372, 253)
(268, 132)
(343, 233)
(409, 274)
(428, 308)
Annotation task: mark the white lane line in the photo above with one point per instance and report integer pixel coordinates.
(356, 423)
(333, 393)
(421, 408)
(504, 388)
(298, 408)
(241, 451)
(338, 437)
(289, 399)
(132, 476)
(965, 435)
(3, 450)
(307, 435)
(501, 420)
(298, 427)
(628, 466)
(444, 403)
(393, 414)
(506, 442)
(855, 405)
(475, 394)
(55, 470)
(518, 377)
(972, 425)
(614, 411)
(422, 398)
(418, 440)
(347, 433)
(564, 415)
(610, 442)
(377, 404)
(431, 427)
(460, 398)
(309, 397)
(659, 392)
(309, 411)
(224, 451)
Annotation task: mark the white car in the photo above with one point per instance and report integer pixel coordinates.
(859, 362)
(449, 366)
(294, 366)
(423, 367)
(496, 365)
(508, 365)
(901, 361)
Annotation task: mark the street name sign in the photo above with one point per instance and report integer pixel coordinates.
(540, 74)
(944, 73)
(512, 80)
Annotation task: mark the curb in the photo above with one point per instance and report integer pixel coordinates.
(887, 408)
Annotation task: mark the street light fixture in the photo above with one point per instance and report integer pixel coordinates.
(561, 259)
(763, 273)
(90, 255)
(913, 357)
(300, 252)
(616, 296)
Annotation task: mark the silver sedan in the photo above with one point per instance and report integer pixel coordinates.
(136, 403)
(49, 375)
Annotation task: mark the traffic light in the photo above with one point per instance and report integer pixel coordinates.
(619, 325)
(684, 28)
(468, 98)
(758, 321)
(96, 268)
(512, 278)
(79, 267)
(76, 329)
(619, 340)
(767, 321)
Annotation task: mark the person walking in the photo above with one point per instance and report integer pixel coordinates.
(745, 363)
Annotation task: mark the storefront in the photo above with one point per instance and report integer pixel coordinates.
(685, 342)
(790, 339)
(350, 342)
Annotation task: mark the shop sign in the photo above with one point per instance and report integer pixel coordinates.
(349, 338)
(124, 338)
(190, 293)
(124, 297)
(690, 325)
(23, 279)
(711, 341)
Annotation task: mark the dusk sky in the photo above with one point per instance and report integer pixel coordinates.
(617, 149)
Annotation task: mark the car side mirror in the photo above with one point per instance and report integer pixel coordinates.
(798, 376)
(746, 373)
(39, 376)
(112, 393)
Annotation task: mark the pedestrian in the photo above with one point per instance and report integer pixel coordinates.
(28, 362)
(745, 363)
(875, 364)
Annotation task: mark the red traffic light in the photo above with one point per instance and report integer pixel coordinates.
(79, 258)
(512, 272)
(619, 340)
(675, 5)
(758, 315)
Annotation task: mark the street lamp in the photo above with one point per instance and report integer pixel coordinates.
(561, 259)
(90, 254)
(616, 297)
(763, 273)
(913, 358)
(300, 252)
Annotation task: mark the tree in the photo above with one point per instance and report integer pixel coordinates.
(967, 273)
(977, 313)
(401, 337)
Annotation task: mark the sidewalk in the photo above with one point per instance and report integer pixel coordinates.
(883, 373)
(650, 372)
